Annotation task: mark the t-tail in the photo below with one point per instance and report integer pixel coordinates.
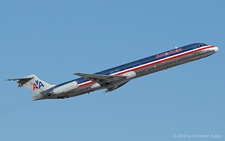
(34, 84)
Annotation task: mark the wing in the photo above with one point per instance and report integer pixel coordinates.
(101, 79)
(21, 81)
(111, 82)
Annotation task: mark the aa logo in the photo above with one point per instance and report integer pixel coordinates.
(37, 85)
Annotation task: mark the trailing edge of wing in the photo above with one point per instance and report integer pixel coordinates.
(109, 89)
(101, 78)
(21, 81)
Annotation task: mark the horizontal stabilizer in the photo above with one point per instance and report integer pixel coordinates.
(21, 81)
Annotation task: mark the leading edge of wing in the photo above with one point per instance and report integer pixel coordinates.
(98, 78)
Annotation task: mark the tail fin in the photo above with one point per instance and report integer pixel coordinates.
(33, 83)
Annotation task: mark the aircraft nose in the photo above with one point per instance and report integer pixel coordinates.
(216, 49)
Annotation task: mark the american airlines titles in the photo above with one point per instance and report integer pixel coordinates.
(168, 53)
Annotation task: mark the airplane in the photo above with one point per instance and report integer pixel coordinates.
(115, 77)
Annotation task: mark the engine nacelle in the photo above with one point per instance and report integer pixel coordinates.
(65, 88)
(130, 74)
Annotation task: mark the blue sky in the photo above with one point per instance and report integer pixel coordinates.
(54, 39)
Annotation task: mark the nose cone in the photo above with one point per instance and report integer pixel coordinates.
(216, 49)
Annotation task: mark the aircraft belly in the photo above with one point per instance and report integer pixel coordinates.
(82, 90)
(77, 92)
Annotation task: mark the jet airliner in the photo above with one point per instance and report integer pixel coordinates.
(115, 77)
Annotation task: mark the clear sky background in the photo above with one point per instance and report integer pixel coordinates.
(56, 38)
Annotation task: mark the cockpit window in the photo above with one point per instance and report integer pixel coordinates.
(202, 44)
